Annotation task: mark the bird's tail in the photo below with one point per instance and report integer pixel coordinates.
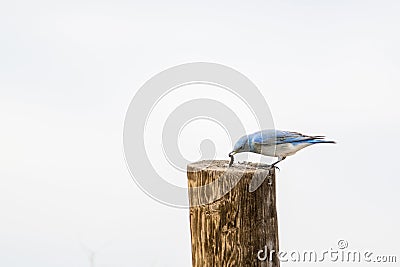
(320, 141)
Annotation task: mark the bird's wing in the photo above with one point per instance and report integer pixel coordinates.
(275, 137)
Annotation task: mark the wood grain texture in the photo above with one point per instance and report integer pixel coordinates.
(231, 230)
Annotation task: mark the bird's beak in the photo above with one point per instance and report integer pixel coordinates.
(232, 153)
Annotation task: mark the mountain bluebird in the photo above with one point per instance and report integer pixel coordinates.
(275, 143)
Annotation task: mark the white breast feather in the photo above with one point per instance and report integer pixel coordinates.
(281, 150)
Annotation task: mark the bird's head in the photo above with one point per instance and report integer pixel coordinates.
(242, 145)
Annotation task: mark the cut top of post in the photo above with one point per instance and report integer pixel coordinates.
(209, 180)
(223, 165)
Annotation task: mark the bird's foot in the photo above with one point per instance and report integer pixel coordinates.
(276, 167)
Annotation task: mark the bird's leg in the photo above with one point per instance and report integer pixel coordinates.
(279, 160)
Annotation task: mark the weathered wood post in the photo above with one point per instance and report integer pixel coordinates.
(231, 229)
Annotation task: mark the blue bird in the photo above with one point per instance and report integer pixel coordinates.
(275, 143)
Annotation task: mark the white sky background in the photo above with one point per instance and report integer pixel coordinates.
(68, 71)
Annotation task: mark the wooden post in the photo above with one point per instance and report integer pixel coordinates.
(232, 230)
